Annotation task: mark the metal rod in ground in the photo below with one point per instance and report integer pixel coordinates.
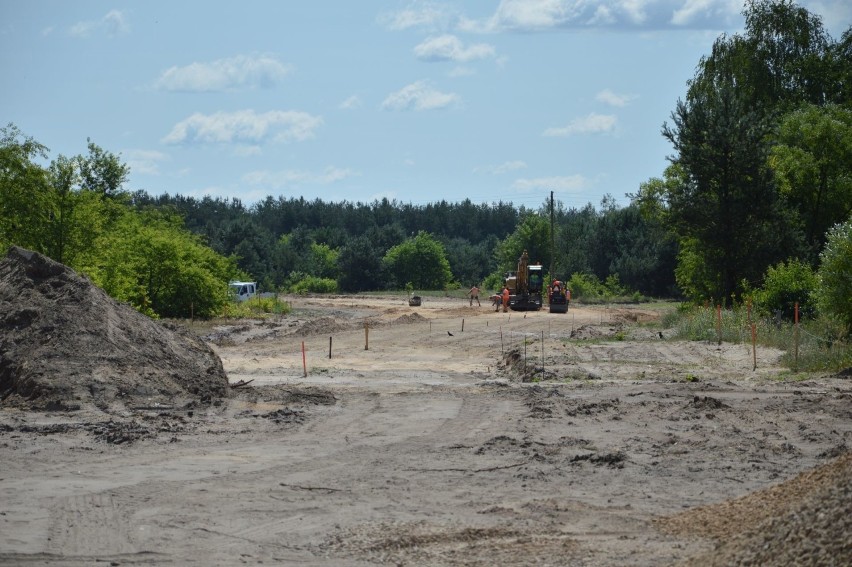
(462, 324)
(366, 336)
(329, 347)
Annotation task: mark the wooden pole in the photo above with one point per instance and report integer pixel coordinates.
(462, 324)
(719, 322)
(366, 336)
(754, 345)
(329, 347)
(796, 339)
(304, 361)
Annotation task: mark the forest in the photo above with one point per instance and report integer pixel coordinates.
(755, 203)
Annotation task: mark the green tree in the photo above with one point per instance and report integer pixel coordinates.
(25, 201)
(324, 261)
(727, 211)
(834, 276)
(360, 266)
(533, 235)
(157, 266)
(812, 160)
(420, 260)
(102, 171)
(727, 208)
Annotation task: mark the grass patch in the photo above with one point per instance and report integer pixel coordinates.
(820, 348)
(255, 308)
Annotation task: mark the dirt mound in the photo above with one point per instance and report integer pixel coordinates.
(64, 343)
(408, 319)
(324, 325)
(804, 521)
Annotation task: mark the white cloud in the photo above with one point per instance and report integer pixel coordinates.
(241, 71)
(112, 24)
(608, 97)
(502, 168)
(565, 183)
(591, 124)
(450, 48)
(419, 96)
(542, 15)
(350, 103)
(290, 177)
(692, 10)
(418, 15)
(244, 126)
(461, 71)
(146, 162)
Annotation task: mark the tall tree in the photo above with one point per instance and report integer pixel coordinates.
(812, 159)
(727, 212)
(728, 204)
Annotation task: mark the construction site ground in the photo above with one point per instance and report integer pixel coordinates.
(362, 431)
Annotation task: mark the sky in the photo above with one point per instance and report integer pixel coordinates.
(357, 101)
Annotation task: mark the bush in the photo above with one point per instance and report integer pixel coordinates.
(833, 292)
(255, 307)
(313, 284)
(586, 286)
(785, 285)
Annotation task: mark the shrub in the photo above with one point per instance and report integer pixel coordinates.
(785, 285)
(313, 284)
(833, 292)
(255, 307)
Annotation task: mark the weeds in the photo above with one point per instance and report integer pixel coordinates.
(820, 347)
(256, 307)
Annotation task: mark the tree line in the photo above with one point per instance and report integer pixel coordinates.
(755, 204)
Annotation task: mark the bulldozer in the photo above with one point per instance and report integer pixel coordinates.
(525, 285)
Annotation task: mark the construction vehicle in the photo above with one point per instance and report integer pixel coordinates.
(525, 285)
(558, 297)
(242, 291)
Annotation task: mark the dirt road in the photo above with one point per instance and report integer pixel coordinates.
(417, 442)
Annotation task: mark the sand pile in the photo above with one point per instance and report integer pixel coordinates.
(804, 521)
(64, 343)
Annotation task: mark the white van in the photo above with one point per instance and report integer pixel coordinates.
(243, 290)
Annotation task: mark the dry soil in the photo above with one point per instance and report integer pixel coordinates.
(361, 431)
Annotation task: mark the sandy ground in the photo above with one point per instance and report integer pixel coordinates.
(418, 443)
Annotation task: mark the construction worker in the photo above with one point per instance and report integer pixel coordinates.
(474, 294)
(505, 299)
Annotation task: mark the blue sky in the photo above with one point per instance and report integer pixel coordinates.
(342, 100)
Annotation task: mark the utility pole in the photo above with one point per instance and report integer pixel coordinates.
(552, 238)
